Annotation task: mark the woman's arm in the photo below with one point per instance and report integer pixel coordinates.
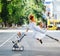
(37, 28)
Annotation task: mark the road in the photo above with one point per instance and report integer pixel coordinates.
(32, 47)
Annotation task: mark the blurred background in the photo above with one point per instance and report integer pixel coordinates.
(14, 13)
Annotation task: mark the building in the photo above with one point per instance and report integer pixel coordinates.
(49, 7)
(53, 6)
(56, 12)
(56, 9)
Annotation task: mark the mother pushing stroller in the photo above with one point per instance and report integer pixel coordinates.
(38, 32)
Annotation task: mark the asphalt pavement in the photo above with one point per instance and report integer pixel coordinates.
(32, 47)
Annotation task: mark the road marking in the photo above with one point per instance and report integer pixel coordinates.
(7, 40)
(15, 31)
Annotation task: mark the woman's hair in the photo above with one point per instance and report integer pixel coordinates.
(38, 23)
(31, 17)
(41, 24)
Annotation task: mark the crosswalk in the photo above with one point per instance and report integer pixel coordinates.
(32, 47)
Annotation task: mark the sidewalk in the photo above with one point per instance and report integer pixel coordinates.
(6, 28)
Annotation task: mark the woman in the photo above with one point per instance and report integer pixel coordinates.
(38, 32)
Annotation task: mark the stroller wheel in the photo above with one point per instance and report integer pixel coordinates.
(13, 49)
(18, 49)
(21, 48)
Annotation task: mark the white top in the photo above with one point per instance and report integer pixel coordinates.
(38, 32)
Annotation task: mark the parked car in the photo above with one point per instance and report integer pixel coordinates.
(52, 27)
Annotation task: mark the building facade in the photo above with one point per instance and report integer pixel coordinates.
(56, 9)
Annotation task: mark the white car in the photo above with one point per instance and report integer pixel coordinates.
(58, 26)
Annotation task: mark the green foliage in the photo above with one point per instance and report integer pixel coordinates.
(0, 20)
(17, 11)
(0, 6)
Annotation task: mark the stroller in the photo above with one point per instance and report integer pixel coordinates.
(16, 44)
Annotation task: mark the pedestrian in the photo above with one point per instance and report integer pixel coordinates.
(38, 33)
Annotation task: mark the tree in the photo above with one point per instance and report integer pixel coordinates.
(17, 11)
(4, 12)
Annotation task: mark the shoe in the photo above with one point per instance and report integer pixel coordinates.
(13, 42)
(40, 41)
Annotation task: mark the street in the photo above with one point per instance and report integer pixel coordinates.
(32, 47)
(23, 15)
